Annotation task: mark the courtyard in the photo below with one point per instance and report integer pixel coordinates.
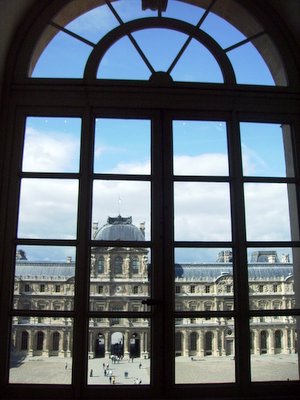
(102, 371)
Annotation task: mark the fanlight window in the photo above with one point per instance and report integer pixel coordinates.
(120, 40)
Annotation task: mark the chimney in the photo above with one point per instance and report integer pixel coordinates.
(272, 258)
(95, 229)
(285, 258)
(142, 228)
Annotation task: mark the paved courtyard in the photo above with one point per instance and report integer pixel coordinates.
(206, 370)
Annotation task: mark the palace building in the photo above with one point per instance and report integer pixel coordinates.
(120, 281)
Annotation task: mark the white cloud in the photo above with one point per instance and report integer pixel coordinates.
(267, 211)
(48, 208)
(50, 152)
(253, 163)
(204, 164)
(202, 210)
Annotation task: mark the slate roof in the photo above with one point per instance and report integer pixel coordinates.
(210, 272)
(47, 270)
(196, 272)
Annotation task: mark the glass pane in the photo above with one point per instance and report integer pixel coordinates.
(184, 12)
(122, 61)
(160, 46)
(119, 278)
(87, 25)
(64, 57)
(44, 278)
(48, 208)
(266, 149)
(204, 353)
(271, 278)
(41, 350)
(202, 211)
(249, 66)
(118, 198)
(122, 146)
(221, 30)
(200, 148)
(119, 351)
(197, 64)
(274, 348)
(268, 207)
(51, 144)
(203, 280)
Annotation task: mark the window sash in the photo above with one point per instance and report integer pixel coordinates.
(161, 124)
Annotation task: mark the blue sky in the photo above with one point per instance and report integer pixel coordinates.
(202, 211)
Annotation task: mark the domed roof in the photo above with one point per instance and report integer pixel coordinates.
(120, 228)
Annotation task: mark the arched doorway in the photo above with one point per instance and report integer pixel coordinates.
(100, 346)
(193, 343)
(55, 341)
(24, 340)
(117, 344)
(263, 342)
(208, 343)
(178, 344)
(278, 340)
(134, 348)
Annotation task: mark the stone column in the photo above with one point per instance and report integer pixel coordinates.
(47, 343)
(31, 342)
(201, 344)
(215, 350)
(223, 348)
(107, 343)
(292, 340)
(285, 341)
(125, 344)
(91, 345)
(185, 343)
(271, 347)
(256, 342)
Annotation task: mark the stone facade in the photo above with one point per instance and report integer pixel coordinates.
(119, 281)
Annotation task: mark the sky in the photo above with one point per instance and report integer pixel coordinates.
(48, 208)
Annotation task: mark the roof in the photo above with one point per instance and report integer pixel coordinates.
(119, 228)
(213, 271)
(187, 272)
(47, 270)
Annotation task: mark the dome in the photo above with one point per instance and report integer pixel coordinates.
(120, 228)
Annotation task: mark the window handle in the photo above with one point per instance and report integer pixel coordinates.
(150, 302)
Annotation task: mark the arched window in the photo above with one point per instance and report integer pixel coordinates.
(188, 112)
(135, 265)
(118, 265)
(100, 266)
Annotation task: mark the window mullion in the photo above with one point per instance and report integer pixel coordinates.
(158, 332)
(240, 270)
(83, 255)
(168, 235)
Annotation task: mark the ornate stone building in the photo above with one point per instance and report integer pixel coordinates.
(119, 281)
